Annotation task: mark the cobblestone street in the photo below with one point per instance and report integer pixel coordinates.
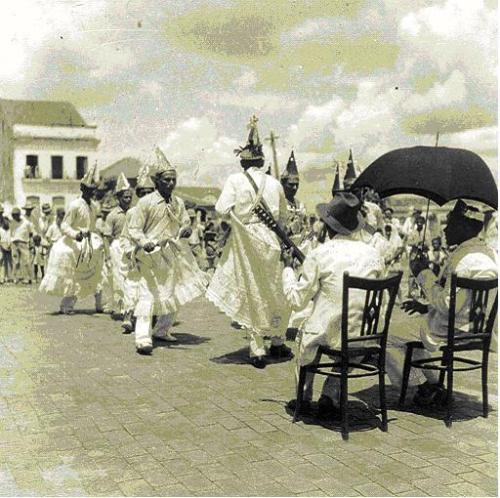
(83, 414)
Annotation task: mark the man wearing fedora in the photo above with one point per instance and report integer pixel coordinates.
(322, 281)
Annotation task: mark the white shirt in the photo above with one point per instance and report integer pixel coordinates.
(239, 195)
(322, 281)
(471, 259)
(80, 216)
(21, 230)
(53, 233)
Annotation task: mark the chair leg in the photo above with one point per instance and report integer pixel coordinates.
(484, 383)
(383, 401)
(449, 394)
(300, 393)
(406, 375)
(343, 404)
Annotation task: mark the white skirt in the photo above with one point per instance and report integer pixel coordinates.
(74, 268)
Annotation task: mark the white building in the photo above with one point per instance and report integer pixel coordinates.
(45, 149)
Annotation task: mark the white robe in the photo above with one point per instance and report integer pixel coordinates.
(74, 268)
(247, 284)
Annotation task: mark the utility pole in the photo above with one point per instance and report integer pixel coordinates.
(272, 142)
(437, 138)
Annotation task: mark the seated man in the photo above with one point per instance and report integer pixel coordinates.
(471, 258)
(322, 281)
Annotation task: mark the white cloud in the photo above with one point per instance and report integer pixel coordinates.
(197, 148)
(247, 80)
(453, 91)
(259, 103)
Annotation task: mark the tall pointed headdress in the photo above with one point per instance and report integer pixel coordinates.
(291, 170)
(144, 178)
(252, 151)
(89, 179)
(162, 163)
(122, 183)
(350, 173)
(336, 181)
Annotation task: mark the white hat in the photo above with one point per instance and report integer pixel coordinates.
(122, 183)
(162, 163)
(89, 179)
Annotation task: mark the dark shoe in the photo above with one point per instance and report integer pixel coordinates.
(236, 325)
(291, 333)
(258, 362)
(99, 311)
(127, 324)
(326, 409)
(429, 395)
(305, 407)
(144, 350)
(282, 351)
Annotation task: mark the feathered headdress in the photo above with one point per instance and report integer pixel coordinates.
(252, 151)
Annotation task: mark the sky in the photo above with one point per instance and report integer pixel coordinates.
(325, 75)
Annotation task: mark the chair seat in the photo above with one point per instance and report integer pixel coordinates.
(352, 351)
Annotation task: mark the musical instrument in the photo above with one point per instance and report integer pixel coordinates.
(268, 219)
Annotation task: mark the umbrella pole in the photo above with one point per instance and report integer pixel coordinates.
(425, 226)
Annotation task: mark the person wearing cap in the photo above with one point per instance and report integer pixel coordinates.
(144, 186)
(470, 257)
(413, 242)
(390, 219)
(21, 233)
(247, 284)
(411, 221)
(170, 276)
(46, 219)
(75, 262)
(112, 231)
(322, 281)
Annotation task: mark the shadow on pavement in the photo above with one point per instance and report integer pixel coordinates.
(76, 312)
(465, 406)
(361, 418)
(183, 339)
(242, 357)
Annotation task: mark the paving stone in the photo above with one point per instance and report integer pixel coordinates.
(82, 414)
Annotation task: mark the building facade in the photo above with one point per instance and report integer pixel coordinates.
(45, 149)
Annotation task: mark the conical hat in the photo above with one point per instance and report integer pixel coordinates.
(291, 170)
(89, 179)
(162, 163)
(144, 178)
(336, 181)
(350, 173)
(252, 151)
(122, 183)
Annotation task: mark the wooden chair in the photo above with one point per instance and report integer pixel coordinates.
(369, 343)
(478, 338)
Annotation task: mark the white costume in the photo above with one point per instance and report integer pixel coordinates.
(247, 284)
(74, 268)
(322, 281)
(170, 276)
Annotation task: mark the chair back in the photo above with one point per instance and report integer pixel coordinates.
(482, 310)
(380, 295)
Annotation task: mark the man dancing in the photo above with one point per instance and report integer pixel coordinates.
(112, 230)
(76, 259)
(247, 284)
(168, 278)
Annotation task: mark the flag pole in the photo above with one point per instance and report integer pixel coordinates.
(428, 203)
(272, 141)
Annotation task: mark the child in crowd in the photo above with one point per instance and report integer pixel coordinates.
(437, 256)
(6, 250)
(39, 253)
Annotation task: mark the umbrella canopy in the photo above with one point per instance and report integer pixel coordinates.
(441, 174)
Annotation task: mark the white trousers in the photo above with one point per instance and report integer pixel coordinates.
(144, 331)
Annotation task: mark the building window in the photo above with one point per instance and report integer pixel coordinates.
(58, 201)
(57, 167)
(81, 166)
(31, 169)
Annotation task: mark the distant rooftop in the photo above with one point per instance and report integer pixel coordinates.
(40, 112)
(202, 196)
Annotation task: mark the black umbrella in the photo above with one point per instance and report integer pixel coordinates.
(440, 174)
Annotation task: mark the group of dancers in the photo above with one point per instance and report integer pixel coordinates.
(269, 279)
